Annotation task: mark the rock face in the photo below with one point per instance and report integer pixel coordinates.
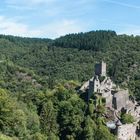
(116, 100)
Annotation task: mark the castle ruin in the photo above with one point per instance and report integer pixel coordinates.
(116, 99)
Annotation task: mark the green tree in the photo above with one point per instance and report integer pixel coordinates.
(89, 129)
(103, 133)
(48, 118)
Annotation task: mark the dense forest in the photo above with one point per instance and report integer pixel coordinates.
(39, 81)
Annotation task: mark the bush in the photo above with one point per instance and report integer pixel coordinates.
(127, 118)
(101, 78)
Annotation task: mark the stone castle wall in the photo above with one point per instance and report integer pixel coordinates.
(126, 132)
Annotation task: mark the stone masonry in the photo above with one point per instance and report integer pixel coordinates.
(116, 100)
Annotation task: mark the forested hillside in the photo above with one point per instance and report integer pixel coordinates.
(39, 79)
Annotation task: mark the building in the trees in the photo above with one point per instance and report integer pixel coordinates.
(116, 100)
(101, 84)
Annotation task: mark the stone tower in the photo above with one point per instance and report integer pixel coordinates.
(94, 85)
(100, 69)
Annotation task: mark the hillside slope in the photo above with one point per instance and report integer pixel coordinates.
(73, 56)
(39, 79)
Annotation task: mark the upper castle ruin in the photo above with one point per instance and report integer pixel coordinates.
(116, 100)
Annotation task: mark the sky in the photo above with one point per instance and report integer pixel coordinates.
(55, 18)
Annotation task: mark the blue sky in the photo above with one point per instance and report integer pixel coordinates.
(54, 18)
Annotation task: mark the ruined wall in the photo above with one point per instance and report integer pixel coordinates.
(96, 84)
(120, 99)
(108, 101)
(126, 132)
(84, 86)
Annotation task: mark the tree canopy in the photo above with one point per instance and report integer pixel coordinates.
(39, 79)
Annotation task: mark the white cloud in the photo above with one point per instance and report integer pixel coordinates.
(17, 7)
(54, 18)
(123, 4)
(50, 30)
(41, 1)
(61, 28)
(28, 2)
(13, 27)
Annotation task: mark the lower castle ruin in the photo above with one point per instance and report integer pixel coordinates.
(116, 100)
